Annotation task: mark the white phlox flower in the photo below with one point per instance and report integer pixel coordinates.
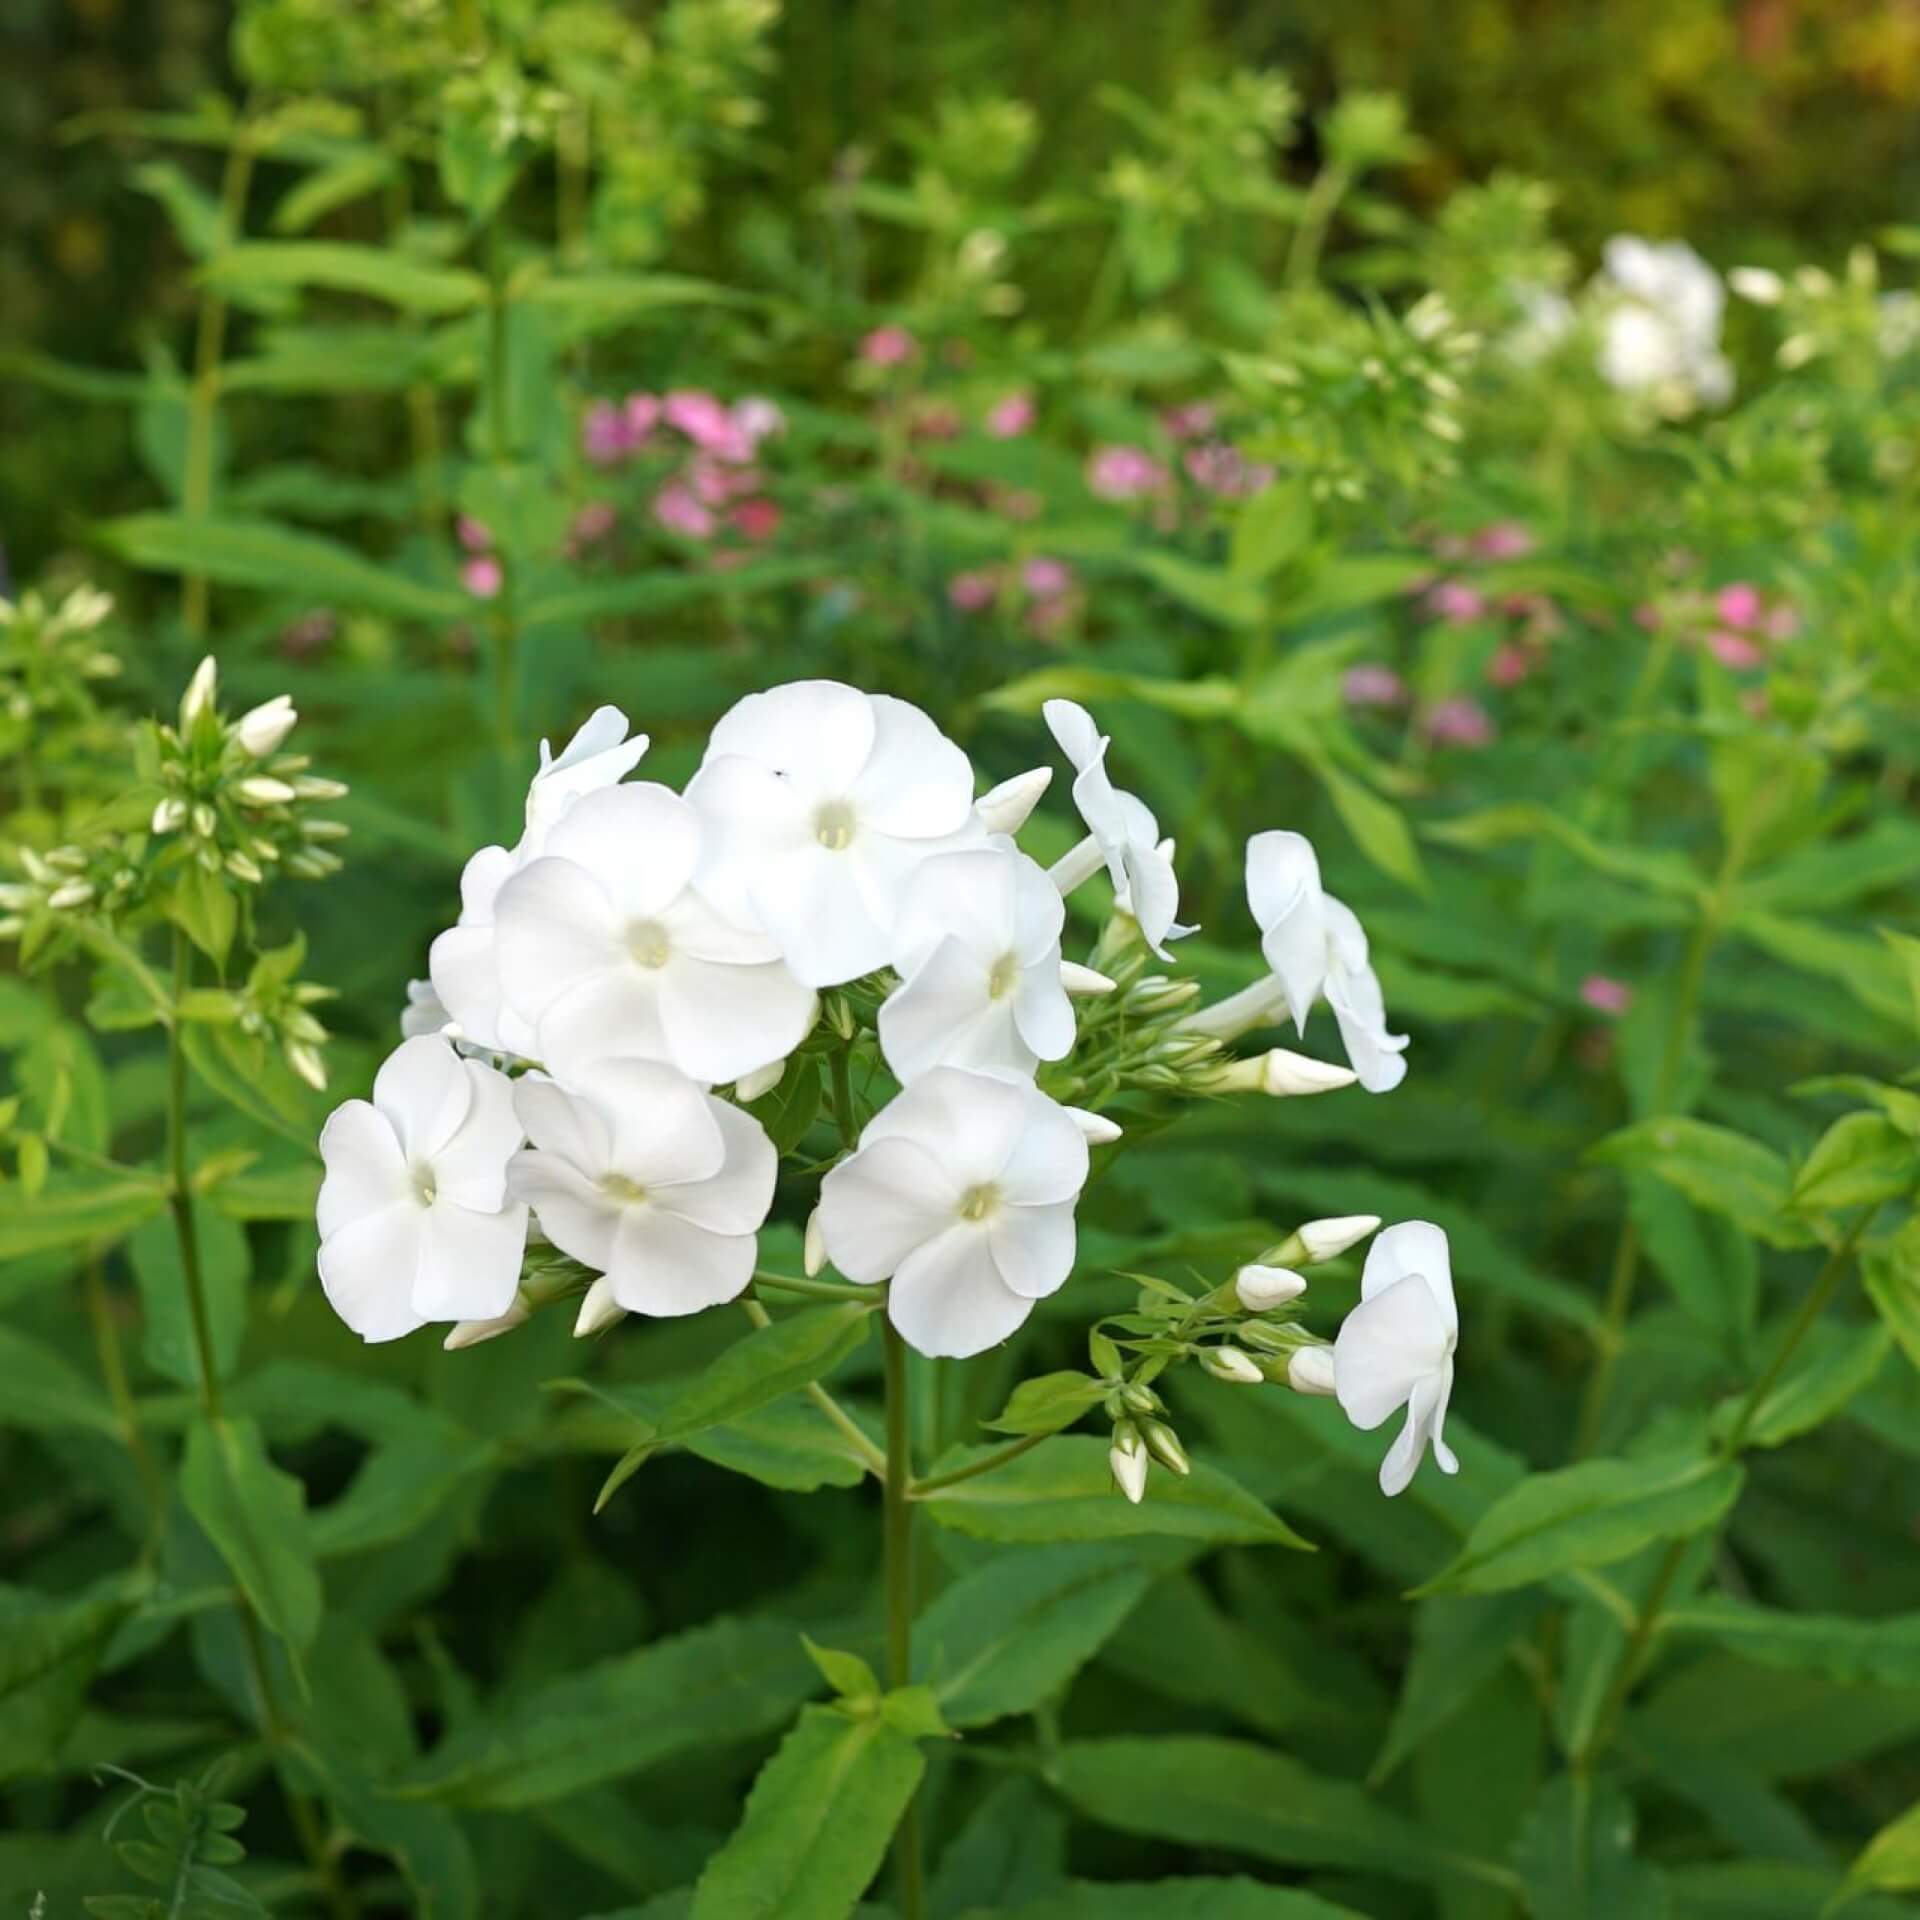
(1661, 308)
(818, 802)
(640, 1174)
(1122, 832)
(976, 942)
(1395, 1349)
(603, 948)
(962, 1193)
(462, 960)
(1316, 948)
(423, 1012)
(415, 1220)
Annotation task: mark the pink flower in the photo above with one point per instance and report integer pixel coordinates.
(1605, 995)
(1011, 417)
(1224, 471)
(756, 520)
(1460, 723)
(970, 592)
(482, 577)
(677, 508)
(1509, 665)
(1454, 600)
(1738, 605)
(1371, 685)
(758, 418)
(474, 534)
(888, 347)
(708, 423)
(593, 522)
(605, 438)
(1125, 473)
(1504, 540)
(641, 412)
(1733, 649)
(1191, 421)
(1046, 579)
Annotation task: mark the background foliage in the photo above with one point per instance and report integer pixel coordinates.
(1643, 895)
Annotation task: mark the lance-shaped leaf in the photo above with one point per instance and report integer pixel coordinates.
(1575, 1856)
(256, 1517)
(1716, 1168)
(1048, 1403)
(1855, 1652)
(74, 1213)
(44, 1395)
(340, 267)
(48, 1651)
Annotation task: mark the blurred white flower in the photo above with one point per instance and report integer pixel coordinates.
(414, 1216)
(261, 729)
(655, 1184)
(1396, 1347)
(604, 949)
(819, 801)
(976, 943)
(462, 960)
(423, 1012)
(1660, 312)
(962, 1192)
(1122, 832)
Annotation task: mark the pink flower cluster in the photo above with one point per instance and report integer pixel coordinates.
(1745, 620)
(1214, 466)
(717, 482)
(1046, 584)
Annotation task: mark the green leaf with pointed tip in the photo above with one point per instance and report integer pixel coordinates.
(256, 1517)
(44, 1395)
(1881, 1652)
(337, 266)
(1575, 1856)
(48, 1652)
(73, 1213)
(1048, 1403)
(1716, 1168)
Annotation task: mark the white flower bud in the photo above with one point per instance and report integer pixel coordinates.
(1083, 981)
(71, 893)
(1259, 1288)
(262, 790)
(750, 1086)
(1164, 1444)
(200, 693)
(1279, 1073)
(599, 1310)
(206, 823)
(311, 786)
(261, 729)
(1096, 1127)
(1231, 1365)
(470, 1333)
(1128, 1462)
(170, 815)
(1004, 809)
(1761, 285)
(1326, 1239)
(306, 1062)
(1310, 1370)
(244, 867)
(813, 1254)
(1158, 994)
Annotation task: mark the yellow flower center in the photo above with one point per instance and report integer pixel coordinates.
(833, 826)
(647, 942)
(979, 1203)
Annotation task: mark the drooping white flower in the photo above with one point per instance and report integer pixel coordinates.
(1395, 1348)
(1122, 832)
(415, 1220)
(819, 801)
(654, 1183)
(1661, 307)
(962, 1192)
(976, 942)
(604, 948)
(462, 961)
(1315, 947)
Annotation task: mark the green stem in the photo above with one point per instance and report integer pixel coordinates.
(1316, 215)
(180, 1193)
(503, 623)
(843, 1114)
(814, 1289)
(938, 1482)
(898, 1554)
(849, 1429)
(113, 1372)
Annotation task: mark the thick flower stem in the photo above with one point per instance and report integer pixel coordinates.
(898, 1544)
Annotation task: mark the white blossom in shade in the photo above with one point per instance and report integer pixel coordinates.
(819, 801)
(1122, 830)
(462, 961)
(640, 1174)
(1395, 1348)
(1661, 307)
(976, 942)
(415, 1220)
(604, 948)
(962, 1193)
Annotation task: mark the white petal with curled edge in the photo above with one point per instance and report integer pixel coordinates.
(366, 1171)
(574, 1211)
(465, 975)
(471, 1169)
(944, 1015)
(880, 1204)
(1410, 1444)
(1283, 889)
(663, 1129)
(736, 1198)
(966, 897)
(480, 882)
(1385, 1348)
(642, 843)
(598, 755)
(1072, 726)
(469, 1262)
(1049, 1161)
(423, 1090)
(1041, 1009)
(666, 1266)
(916, 784)
(1033, 1247)
(718, 1022)
(948, 1300)
(1412, 1246)
(1153, 897)
(367, 1271)
(555, 928)
(1039, 913)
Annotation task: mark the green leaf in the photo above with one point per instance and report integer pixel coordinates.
(338, 183)
(1378, 827)
(770, 1362)
(1048, 1403)
(1716, 1168)
(256, 1517)
(197, 220)
(1854, 1652)
(661, 592)
(1273, 528)
(48, 1652)
(1862, 1160)
(1244, 1799)
(1889, 1863)
(1837, 1364)
(1892, 1277)
(597, 302)
(202, 904)
(1063, 1490)
(1588, 1516)
(790, 1445)
(1575, 1856)
(1011, 1635)
(1856, 962)
(1459, 1643)
(846, 1673)
(340, 267)
(170, 1346)
(256, 553)
(1227, 599)
(1656, 871)
(788, 1110)
(729, 1680)
(74, 1213)
(1171, 1900)
(817, 1822)
(45, 1395)
(1012, 1848)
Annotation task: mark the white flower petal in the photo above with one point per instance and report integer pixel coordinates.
(965, 897)
(970, 1122)
(367, 1271)
(881, 1203)
(641, 843)
(1410, 1445)
(469, 1262)
(1387, 1345)
(916, 784)
(718, 1021)
(662, 1125)
(1033, 1247)
(424, 1092)
(945, 1015)
(666, 1266)
(574, 1211)
(471, 1169)
(1041, 1009)
(1048, 1163)
(366, 1170)
(555, 930)
(1412, 1247)
(948, 1299)
(558, 1123)
(751, 817)
(735, 1199)
(818, 733)
(1073, 727)
(813, 903)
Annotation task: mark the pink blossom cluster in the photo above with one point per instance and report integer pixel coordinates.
(716, 482)
(1736, 623)
(1046, 584)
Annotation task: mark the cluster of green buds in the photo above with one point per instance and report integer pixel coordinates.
(52, 658)
(229, 794)
(62, 883)
(274, 1006)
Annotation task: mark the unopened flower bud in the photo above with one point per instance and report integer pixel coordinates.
(200, 693)
(244, 867)
(1266, 1339)
(1231, 1365)
(261, 729)
(1310, 1370)
(1761, 285)
(70, 893)
(307, 1063)
(813, 1254)
(1083, 981)
(470, 1333)
(1127, 1461)
(1260, 1288)
(1158, 994)
(1322, 1240)
(262, 790)
(1139, 1399)
(170, 815)
(1164, 1444)
(324, 829)
(310, 786)
(205, 821)
(750, 1086)
(1096, 1128)
(598, 1310)
(1004, 809)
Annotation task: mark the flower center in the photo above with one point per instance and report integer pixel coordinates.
(425, 1187)
(833, 826)
(1004, 977)
(979, 1203)
(630, 1193)
(648, 943)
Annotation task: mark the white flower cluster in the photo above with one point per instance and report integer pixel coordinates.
(638, 949)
